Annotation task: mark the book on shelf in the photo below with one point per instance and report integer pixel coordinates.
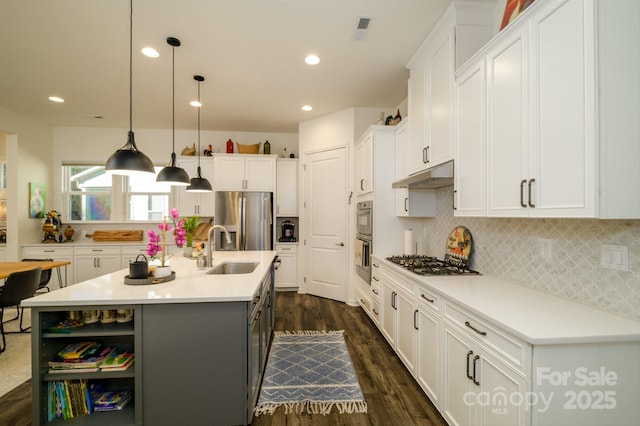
(117, 362)
(79, 350)
(112, 400)
(67, 399)
(61, 370)
(91, 359)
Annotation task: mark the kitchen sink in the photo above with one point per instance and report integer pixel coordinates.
(233, 268)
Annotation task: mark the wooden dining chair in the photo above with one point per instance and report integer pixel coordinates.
(17, 287)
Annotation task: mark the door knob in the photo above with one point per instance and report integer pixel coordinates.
(341, 244)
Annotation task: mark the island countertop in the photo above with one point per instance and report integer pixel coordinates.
(190, 285)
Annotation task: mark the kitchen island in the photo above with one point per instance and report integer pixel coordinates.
(200, 342)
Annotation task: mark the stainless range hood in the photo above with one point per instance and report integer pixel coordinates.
(433, 178)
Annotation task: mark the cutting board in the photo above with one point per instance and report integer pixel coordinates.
(116, 235)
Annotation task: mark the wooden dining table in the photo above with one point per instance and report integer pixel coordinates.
(8, 268)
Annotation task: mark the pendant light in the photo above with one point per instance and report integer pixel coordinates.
(199, 184)
(128, 160)
(172, 174)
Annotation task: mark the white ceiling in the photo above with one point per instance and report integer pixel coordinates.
(250, 52)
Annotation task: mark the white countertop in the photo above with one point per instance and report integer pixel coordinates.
(190, 285)
(538, 318)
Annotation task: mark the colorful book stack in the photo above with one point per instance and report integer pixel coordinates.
(81, 357)
(90, 356)
(112, 400)
(68, 399)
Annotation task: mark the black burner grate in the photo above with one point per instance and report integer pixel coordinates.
(427, 265)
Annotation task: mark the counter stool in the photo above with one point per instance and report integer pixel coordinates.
(17, 287)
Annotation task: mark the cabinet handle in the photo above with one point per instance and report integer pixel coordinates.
(361, 184)
(468, 324)
(424, 155)
(426, 298)
(453, 202)
(375, 278)
(522, 182)
(406, 200)
(49, 251)
(415, 323)
(375, 291)
(374, 265)
(374, 311)
(96, 250)
(475, 360)
(468, 355)
(341, 244)
(393, 300)
(531, 182)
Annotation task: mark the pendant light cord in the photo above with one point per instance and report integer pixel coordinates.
(131, 66)
(173, 106)
(199, 108)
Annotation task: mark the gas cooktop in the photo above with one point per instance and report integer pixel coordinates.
(426, 265)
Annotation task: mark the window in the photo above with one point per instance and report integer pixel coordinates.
(92, 195)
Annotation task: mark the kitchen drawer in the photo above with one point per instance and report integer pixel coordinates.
(375, 311)
(375, 291)
(508, 348)
(286, 248)
(365, 303)
(402, 282)
(134, 250)
(46, 252)
(428, 299)
(97, 251)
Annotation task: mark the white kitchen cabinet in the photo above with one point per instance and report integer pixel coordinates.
(559, 137)
(364, 164)
(55, 252)
(91, 262)
(470, 374)
(244, 172)
(375, 293)
(428, 344)
(459, 33)
(287, 187)
(399, 317)
(410, 202)
(286, 274)
(470, 157)
(196, 203)
(130, 253)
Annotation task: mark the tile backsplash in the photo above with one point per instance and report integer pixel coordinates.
(510, 248)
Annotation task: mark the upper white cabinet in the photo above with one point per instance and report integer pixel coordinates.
(410, 202)
(196, 203)
(364, 164)
(287, 187)
(459, 33)
(470, 156)
(561, 141)
(244, 172)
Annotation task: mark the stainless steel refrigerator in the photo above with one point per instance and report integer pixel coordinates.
(248, 216)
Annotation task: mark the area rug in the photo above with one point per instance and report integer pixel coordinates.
(310, 371)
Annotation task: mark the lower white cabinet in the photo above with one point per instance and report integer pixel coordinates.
(55, 252)
(428, 344)
(91, 262)
(473, 377)
(399, 318)
(287, 271)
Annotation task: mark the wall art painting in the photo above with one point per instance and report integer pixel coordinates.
(37, 200)
(512, 9)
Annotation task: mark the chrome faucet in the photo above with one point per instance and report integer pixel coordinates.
(212, 243)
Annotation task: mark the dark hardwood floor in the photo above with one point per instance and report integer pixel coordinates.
(393, 396)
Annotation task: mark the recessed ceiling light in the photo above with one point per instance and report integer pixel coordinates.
(56, 99)
(312, 60)
(307, 108)
(195, 104)
(150, 52)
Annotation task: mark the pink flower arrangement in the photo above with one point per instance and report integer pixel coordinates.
(158, 241)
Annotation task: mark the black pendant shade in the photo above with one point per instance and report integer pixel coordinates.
(199, 184)
(128, 160)
(172, 174)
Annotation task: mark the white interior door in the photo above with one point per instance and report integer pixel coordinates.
(325, 212)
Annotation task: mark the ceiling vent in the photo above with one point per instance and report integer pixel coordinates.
(362, 27)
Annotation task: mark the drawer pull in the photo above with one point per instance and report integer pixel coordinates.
(375, 291)
(374, 311)
(374, 265)
(415, 323)
(375, 278)
(475, 360)
(468, 355)
(426, 298)
(468, 324)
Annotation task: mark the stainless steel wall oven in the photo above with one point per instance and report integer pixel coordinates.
(364, 238)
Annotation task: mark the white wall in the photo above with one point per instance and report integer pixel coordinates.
(29, 151)
(81, 144)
